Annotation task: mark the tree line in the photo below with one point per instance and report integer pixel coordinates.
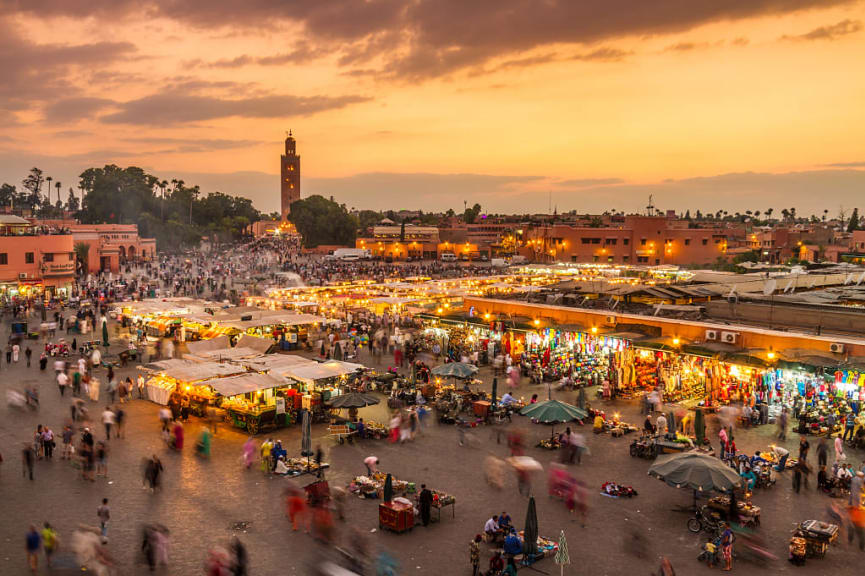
(175, 214)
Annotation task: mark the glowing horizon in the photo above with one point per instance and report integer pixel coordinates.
(427, 104)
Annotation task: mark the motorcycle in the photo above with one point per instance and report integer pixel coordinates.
(704, 519)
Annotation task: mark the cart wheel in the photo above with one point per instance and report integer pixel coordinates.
(341, 440)
(633, 450)
(252, 427)
(694, 525)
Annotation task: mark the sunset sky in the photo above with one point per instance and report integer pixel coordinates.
(706, 104)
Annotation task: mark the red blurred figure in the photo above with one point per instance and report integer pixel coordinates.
(295, 507)
(515, 443)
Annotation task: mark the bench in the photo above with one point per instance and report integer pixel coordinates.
(341, 432)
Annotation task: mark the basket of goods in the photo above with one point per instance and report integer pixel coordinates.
(817, 535)
(549, 444)
(798, 550)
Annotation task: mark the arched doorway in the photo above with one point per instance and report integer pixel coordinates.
(130, 253)
(123, 253)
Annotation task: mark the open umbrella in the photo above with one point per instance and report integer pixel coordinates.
(456, 370)
(700, 426)
(562, 557)
(697, 471)
(495, 390)
(354, 400)
(105, 332)
(530, 534)
(306, 435)
(388, 488)
(553, 411)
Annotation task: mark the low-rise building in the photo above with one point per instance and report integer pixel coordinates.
(34, 259)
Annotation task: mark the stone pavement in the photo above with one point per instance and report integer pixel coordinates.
(202, 501)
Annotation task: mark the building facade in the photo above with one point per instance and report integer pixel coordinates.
(34, 260)
(289, 183)
(639, 240)
(112, 246)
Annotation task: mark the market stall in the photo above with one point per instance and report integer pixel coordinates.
(183, 378)
(253, 401)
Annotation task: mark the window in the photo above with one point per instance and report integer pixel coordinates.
(626, 258)
(4, 258)
(642, 241)
(595, 258)
(642, 259)
(717, 240)
(626, 241)
(687, 241)
(610, 241)
(609, 258)
(657, 261)
(29, 258)
(705, 241)
(49, 257)
(586, 240)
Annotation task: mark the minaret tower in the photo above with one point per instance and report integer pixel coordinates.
(290, 172)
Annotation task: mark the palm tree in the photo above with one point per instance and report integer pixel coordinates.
(49, 179)
(769, 213)
(57, 186)
(82, 254)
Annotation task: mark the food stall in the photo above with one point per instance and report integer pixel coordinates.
(184, 378)
(253, 401)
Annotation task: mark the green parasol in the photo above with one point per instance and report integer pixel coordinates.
(353, 400)
(105, 332)
(456, 370)
(562, 558)
(551, 411)
(699, 426)
(530, 535)
(388, 489)
(697, 471)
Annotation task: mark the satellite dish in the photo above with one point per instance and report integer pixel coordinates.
(769, 287)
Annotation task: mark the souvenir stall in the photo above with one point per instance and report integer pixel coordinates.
(561, 351)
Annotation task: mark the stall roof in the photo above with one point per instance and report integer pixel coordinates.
(285, 319)
(322, 370)
(168, 364)
(241, 384)
(194, 372)
(220, 342)
(277, 362)
(237, 353)
(261, 345)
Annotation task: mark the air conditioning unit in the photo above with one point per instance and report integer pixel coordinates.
(610, 320)
(22, 276)
(711, 335)
(729, 337)
(836, 348)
